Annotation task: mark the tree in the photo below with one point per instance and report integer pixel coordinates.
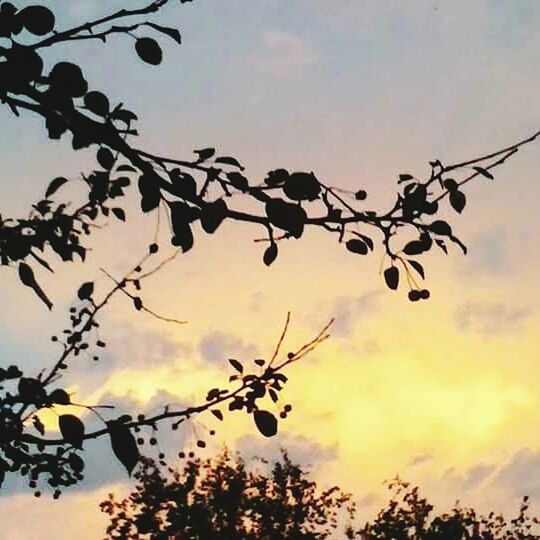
(222, 498)
(191, 193)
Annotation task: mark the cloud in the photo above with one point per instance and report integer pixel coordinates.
(520, 475)
(420, 459)
(284, 53)
(490, 319)
(349, 311)
(216, 347)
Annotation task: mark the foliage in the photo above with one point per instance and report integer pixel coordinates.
(195, 196)
(223, 498)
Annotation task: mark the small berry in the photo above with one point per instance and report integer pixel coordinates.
(153, 441)
(181, 455)
(414, 295)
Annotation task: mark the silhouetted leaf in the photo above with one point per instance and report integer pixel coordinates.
(391, 276)
(86, 290)
(217, 413)
(205, 153)
(171, 32)
(55, 185)
(484, 172)
(124, 445)
(228, 160)
(440, 227)
(125, 168)
(236, 365)
(458, 200)
(405, 177)
(301, 186)
(212, 215)
(26, 275)
(67, 78)
(149, 51)
(276, 177)
(38, 424)
(119, 213)
(105, 158)
(97, 102)
(418, 267)
(38, 20)
(237, 180)
(442, 245)
(270, 254)
(30, 390)
(60, 396)
(149, 190)
(357, 246)
(72, 429)
(266, 422)
(137, 302)
(415, 247)
(287, 216)
(450, 184)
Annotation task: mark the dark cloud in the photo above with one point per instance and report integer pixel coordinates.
(490, 319)
(216, 347)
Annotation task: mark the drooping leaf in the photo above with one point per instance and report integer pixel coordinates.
(357, 246)
(124, 445)
(171, 32)
(205, 153)
(440, 227)
(149, 51)
(137, 302)
(212, 215)
(86, 290)
(38, 424)
(266, 422)
(418, 267)
(119, 213)
(236, 365)
(450, 184)
(458, 200)
(484, 172)
(38, 20)
(270, 254)
(238, 180)
(391, 276)
(105, 158)
(150, 192)
(26, 275)
(97, 102)
(287, 216)
(55, 185)
(72, 429)
(228, 160)
(414, 247)
(217, 413)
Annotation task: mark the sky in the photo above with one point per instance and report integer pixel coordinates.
(443, 393)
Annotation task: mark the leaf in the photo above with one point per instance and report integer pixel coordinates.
(367, 240)
(124, 445)
(105, 158)
(212, 215)
(442, 245)
(137, 302)
(357, 246)
(149, 51)
(149, 190)
(238, 180)
(125, 168)
(55, 185)
(415, 247)
(217, 413)
(86, 290)
(302, 186)
(360, 195)
(458, 200)
(391, 276)
(205, 153)
(266, 422)
(60, 396)
(119, 213)
(287, 216)
(236, 365)
(405, 177)
(26, 275)
(440, 227)
(171, 32)
(418, 267)
(72, 429)
(484, 172)
(97, 102)
(38, 20)
(450, 184)
(228, 160)
(270, 254)
(38, 424)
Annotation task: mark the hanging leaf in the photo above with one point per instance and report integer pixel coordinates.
(149, 51)
(415, 247)
(124, 445)
(38, 424)
(357, 246)
(236, 365)
(484, 172)
(171, 32)
(149, 190)
(86, 290)
(266, 422)
(97, 102)
(270, 254)
(137, 302)
(72, 429)
(391, 276)
(212, 215)
(105, 158)
(26, 275)
(458, 200)
(119, 213)
(38, 20)
(450, 184)
(418, 267)
(217, 413)
(287, 216)
(55, 185)
(440, 227)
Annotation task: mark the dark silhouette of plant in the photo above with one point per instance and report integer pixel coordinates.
(189, 194)
(222, 498)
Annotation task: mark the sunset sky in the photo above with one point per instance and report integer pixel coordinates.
(444, 393)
